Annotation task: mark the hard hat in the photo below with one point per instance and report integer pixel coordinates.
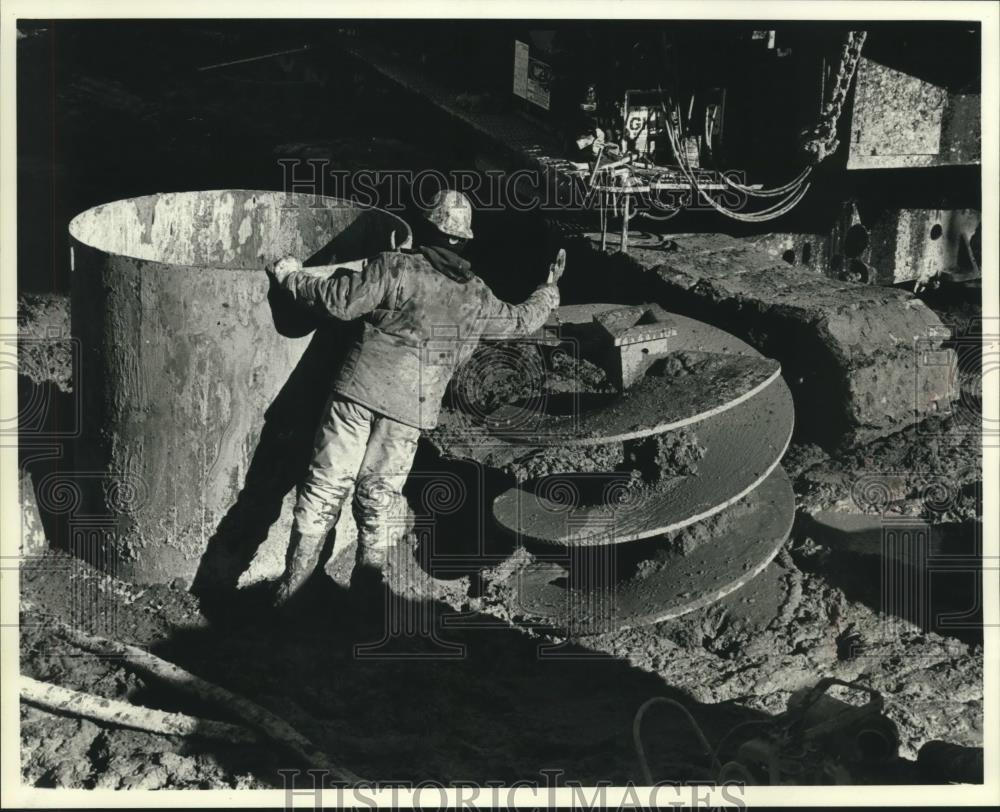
(451, 213)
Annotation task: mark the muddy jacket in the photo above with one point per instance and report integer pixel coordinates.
(424, 312)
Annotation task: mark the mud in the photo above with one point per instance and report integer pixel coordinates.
(569, 372)
(561, 460)
(529, 379)
(679, 389)
(62, 751)
(725, 651)
(932, 471)
(45, 349)
(658, 459)
(784, 630)
(513, 372)
(803, 618)
(497, 598)
(501, 392)
(646, 463)
(688, 539)
(496, 375)
(388, 713)
(743, 445)
(59, 752)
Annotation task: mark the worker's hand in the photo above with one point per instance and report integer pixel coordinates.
(283, 267)
(556, 268)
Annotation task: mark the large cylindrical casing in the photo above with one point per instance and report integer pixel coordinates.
(180, 362)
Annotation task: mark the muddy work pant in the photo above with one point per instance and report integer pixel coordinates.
(358, 447)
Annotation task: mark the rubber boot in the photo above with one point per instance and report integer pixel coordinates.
(303, 556)
(368, 587)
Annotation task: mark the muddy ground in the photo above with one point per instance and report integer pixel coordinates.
(480, 699)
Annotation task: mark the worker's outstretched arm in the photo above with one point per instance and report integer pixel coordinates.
(346, 294)
(505, 320)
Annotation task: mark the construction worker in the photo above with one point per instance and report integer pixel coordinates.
(423, 312)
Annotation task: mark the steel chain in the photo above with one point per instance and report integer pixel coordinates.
(821, 140)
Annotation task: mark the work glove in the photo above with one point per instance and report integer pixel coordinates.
(283, 267)
(556, 268)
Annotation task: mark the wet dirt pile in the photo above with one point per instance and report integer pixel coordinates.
(520, 373)
(67, 751)
(497, 375)
(782, 632)
(647, 462)
(585, 459)
(473, 700)
(677, 364)
(502, 392)
(658, 459)
(44, 349)
(568, 372)
(932, 470)
(513, 373)
(746, 648)
(690, 538)
(497, 592)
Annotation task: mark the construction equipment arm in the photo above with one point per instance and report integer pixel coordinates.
(345, 294)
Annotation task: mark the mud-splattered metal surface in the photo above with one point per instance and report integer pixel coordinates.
(700, 397)
(902, 121)
(181, 367)
(923, 244)
(744, 445)
(680, 390)
(584, 597)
